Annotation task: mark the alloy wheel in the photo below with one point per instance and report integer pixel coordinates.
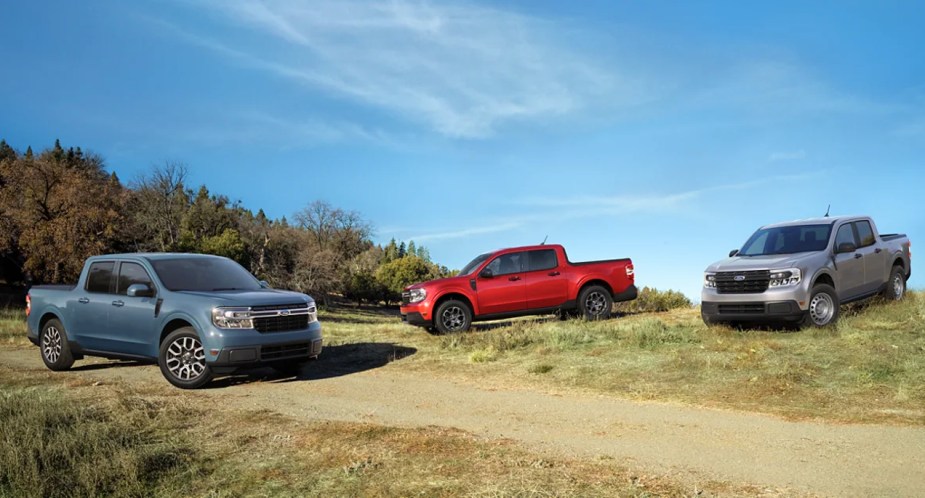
(51, 344)
(186, 359)
(453, 318)
(595, 303)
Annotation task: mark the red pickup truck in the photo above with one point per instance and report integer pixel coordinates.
(531, 280)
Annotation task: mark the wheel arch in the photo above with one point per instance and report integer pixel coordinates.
(454, 295)
(823, 277)
(173, 325)
(593, 281)
(51, 315)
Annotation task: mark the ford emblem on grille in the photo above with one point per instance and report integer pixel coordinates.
(283, 313)
(739, 278)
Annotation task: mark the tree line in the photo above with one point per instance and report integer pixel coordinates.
(60, 206)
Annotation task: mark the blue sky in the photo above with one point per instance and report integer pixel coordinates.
(663, 131)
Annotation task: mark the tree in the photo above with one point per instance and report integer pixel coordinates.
(61, 207)
(158, 204)
(398, 274)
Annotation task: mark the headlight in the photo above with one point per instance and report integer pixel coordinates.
(783, 278)
(709, 280)
(312, 313)
(232, 318)
(416, 295)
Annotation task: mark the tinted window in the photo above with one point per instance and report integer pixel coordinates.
(508, 263)
(132, 273)
(543, 260)
(203, 274)
(845, 235)
(865, 233)
(100, 276)
(787, 240)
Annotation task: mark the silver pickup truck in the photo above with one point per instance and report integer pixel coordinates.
(802, 271)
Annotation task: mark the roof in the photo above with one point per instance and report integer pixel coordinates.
(154, 256)
(814, 221)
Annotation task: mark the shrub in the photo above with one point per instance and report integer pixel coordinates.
(654, 300)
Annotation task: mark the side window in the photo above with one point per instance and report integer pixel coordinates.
(542, 260)
(845, 234)
(508, 263)
(100, 276)
(132, 273)
(865, 233)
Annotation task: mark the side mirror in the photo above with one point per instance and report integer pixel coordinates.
(846, 247)
(139, 290)
(264, 284)
(733, 252)
(487, 273)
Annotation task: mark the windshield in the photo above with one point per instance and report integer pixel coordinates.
(787, 240)
(203, 274)
(474, 264)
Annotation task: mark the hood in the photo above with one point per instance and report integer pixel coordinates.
(462, 279)
(769, 262)
(262, 297)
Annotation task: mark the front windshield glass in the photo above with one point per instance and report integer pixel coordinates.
(787, 240)
(474, 264)
(203, 274)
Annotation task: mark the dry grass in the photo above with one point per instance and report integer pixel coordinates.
(13, 327)
(870, 367)
(82, 439)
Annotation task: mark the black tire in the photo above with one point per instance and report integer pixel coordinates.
(823, 307)
(595, 302)
(53, 346)
(182, 359)
(453, 316)
(896, 286)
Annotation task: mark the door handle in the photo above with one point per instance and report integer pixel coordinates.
(553, 274)
(878, 250)
(83, 300)
(514, 279)
(118, 304)
(858, 256)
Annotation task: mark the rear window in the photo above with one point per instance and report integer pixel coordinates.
(865, 233)
(544, 259)
(209, 274)
(99, 277)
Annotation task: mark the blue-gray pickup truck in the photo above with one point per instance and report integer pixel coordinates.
(196, 315)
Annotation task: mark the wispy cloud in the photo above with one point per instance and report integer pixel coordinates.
(466, 232)
(462, 69)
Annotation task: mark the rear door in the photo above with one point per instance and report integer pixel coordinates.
(850, 266)
(90, 314)
(505, 291)
(131, 319)
(546, 286)
(874, 257)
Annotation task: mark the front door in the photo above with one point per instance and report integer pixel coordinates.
(849, 281)
(505, 290)
(131, 319)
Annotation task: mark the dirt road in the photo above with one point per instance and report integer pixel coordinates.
(363, 383)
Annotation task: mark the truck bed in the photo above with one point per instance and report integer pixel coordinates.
(891, 236)
(54, 287)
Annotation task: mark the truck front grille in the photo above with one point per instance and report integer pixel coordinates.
(741, 309)
(280, 318)
(742, 282)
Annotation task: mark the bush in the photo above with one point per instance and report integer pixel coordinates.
(653, 300)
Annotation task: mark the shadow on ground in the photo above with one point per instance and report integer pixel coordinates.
(111, 364)
(335, 361)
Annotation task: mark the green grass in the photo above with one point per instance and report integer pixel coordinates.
(870, 367)
(13, 327)
(89, 440)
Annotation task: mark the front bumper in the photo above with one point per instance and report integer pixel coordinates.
(418, 314)
(238, 348)
(788, 311)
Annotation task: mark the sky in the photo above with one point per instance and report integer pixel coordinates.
(662, 131)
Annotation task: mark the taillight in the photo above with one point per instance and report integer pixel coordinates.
(28, 304)
(630, 270)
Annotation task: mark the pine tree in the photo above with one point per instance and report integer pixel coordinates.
(402, 252)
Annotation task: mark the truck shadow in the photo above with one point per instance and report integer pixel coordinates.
(335, 361)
